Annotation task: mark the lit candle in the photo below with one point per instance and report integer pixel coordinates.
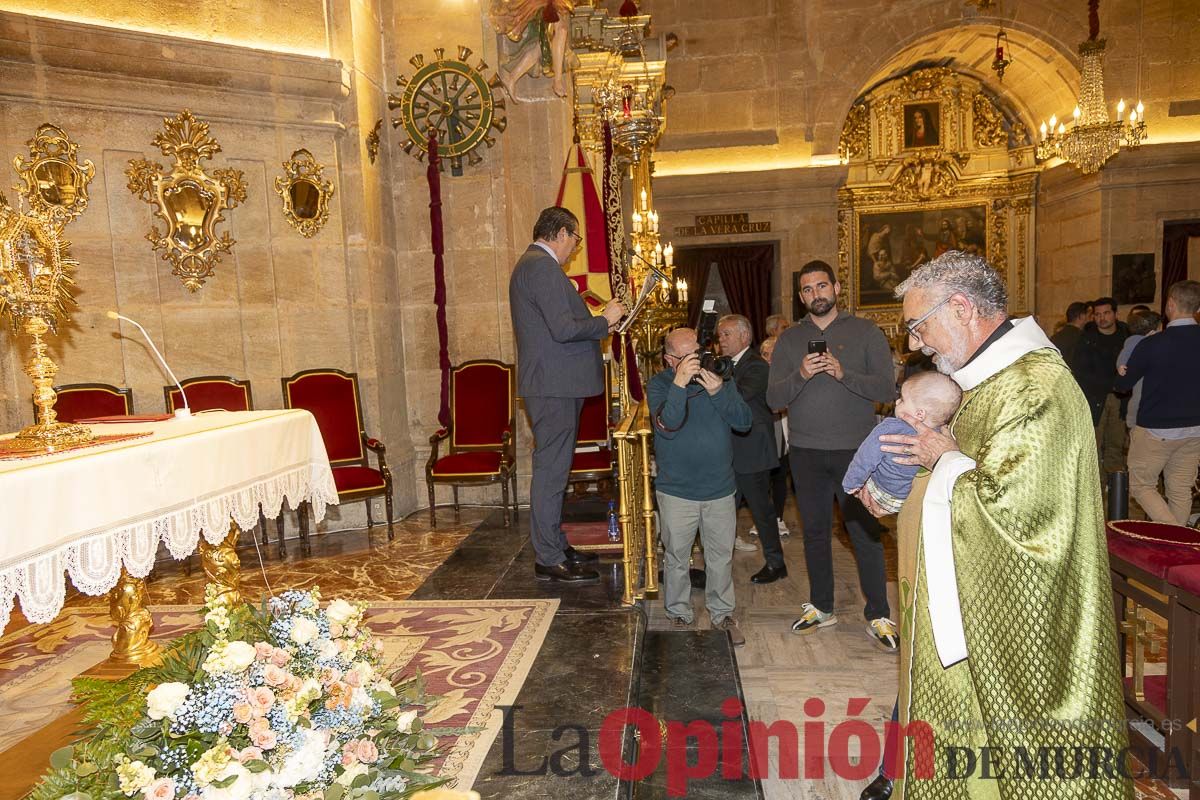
(669, 255)
(685, 291)
(658, 252)
(1133, 116)
(637, 248)
(1053, 122)
(1061, 129)
(644, 206)
(654, 222)
(1076, 113)
(637, 222)
(1140, 110)
(1043, 129)
(1120, 108)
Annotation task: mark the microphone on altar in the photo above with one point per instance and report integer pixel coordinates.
(181, 413)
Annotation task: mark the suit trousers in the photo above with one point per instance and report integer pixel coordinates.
(817, 475)
(555, 423)
(779, 485)
(755, 487)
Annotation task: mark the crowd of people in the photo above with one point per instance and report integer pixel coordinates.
(993, 460)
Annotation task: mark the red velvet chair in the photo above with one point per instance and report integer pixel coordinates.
(211, 392)
(591, 465)
(83, 400)
(332, 397)
(481, 437)
(1146, 560)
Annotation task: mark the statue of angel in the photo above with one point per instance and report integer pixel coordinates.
(540, 30)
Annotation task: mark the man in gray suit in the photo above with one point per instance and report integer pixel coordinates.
(754, 450)
(558, 366)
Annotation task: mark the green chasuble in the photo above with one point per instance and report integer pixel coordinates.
(1035, 709)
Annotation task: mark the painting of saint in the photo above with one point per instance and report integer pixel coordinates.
(920, 125)
(892, 244)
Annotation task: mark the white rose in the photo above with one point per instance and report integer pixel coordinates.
(352, 772)
(305, 762)
(304, 630)
(240, 789)
(165, 699)
(366, 673)
(385, 687)
(239, 656)
(404, 721)
(341, 612)
(328, 649)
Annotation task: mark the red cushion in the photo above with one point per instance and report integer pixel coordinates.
(1186, 577)
(481, 407)
(73, 404)
(1154, 546)
(467, 465)
(353, 479)
(333, 400)
(593, 421)
(208, 395)
(593, 461)
(1156, 690)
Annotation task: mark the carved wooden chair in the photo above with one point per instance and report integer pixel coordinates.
(595, 458)
(211, 392)
(481, 437)
(332, 397)
(84, 400)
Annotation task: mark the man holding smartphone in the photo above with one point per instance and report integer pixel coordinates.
(829, 370)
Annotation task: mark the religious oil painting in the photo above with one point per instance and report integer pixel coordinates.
(921, 125)
(892, 244)
(1133, 278)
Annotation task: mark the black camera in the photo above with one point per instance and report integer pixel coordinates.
(706, 331)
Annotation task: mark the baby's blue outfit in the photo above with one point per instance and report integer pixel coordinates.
(888, 482)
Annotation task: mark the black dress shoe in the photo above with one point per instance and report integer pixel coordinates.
(565, 573)
(576, 557)
(878, 789)
(769, 574)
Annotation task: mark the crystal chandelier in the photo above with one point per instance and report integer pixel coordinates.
(1092, 139)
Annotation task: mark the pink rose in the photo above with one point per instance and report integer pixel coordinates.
(261, 699)
(263, 738)
(349, 756)
(161, 789)
(249, 754)
(280, 657)
(353, 679)
(242, 713)
(294, 683)
(368, 752)
(275, 676)
(258, 726)
(262, 651)
(192, 797)
(335, 630)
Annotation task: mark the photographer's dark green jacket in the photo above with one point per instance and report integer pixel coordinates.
(692, 446)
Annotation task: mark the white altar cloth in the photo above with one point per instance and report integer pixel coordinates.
(86, 512)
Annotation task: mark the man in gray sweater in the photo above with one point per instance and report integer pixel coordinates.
(829, 370)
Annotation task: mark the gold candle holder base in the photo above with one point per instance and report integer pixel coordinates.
(127, 607)
(48, 435)
(223, 569)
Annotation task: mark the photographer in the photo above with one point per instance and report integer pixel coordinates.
(829, 371)
(693, 411)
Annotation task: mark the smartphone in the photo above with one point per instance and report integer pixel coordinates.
(816, 346)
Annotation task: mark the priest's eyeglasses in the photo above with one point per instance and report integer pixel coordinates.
(912, 327)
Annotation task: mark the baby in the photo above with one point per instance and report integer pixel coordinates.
(930, 397)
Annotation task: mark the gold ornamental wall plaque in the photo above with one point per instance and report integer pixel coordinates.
(187, 200)
(305, 193)
(55, 182)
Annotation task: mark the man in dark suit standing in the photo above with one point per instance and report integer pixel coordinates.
(754, 451)
(558, 365)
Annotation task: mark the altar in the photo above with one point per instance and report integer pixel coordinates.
(96, 516)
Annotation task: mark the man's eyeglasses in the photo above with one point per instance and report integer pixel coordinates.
(912, 327)
(576, 236)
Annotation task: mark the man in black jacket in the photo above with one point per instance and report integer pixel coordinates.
(754, 450)
(1095, 368)
(1066, 339)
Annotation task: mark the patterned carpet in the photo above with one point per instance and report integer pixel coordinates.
(475, 654)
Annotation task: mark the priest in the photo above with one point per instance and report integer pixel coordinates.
(1008, 641)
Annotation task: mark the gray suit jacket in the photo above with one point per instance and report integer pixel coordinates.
(558, 340)
(754, 450)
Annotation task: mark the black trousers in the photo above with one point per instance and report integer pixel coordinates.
(779, 485)
(755, 487)
(817, 475)
(555, 423)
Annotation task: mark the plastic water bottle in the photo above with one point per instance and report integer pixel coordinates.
(614, 530)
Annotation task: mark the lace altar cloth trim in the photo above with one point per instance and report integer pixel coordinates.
(94, 563)
(18, 455)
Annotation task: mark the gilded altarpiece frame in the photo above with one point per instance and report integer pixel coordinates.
(974, 189)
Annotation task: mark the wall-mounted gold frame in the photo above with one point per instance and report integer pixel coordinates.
(305, 192)
(55, 182)
(188, 201)
(980, 173)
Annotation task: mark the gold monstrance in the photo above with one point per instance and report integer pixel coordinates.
(35, 291)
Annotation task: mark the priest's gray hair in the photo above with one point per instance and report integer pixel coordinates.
(956, 272)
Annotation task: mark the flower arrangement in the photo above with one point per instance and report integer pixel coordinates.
(287, 701)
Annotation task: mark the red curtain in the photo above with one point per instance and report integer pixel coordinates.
(745, 272)
(1175, 254)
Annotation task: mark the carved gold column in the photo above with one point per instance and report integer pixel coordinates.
(223, 568)
(127, 607)
(645, 436)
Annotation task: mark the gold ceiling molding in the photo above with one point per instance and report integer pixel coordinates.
(306, 193)
(187, 200)
(935, 163)
(55, 182)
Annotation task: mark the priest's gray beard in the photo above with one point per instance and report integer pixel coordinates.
(950, 362)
